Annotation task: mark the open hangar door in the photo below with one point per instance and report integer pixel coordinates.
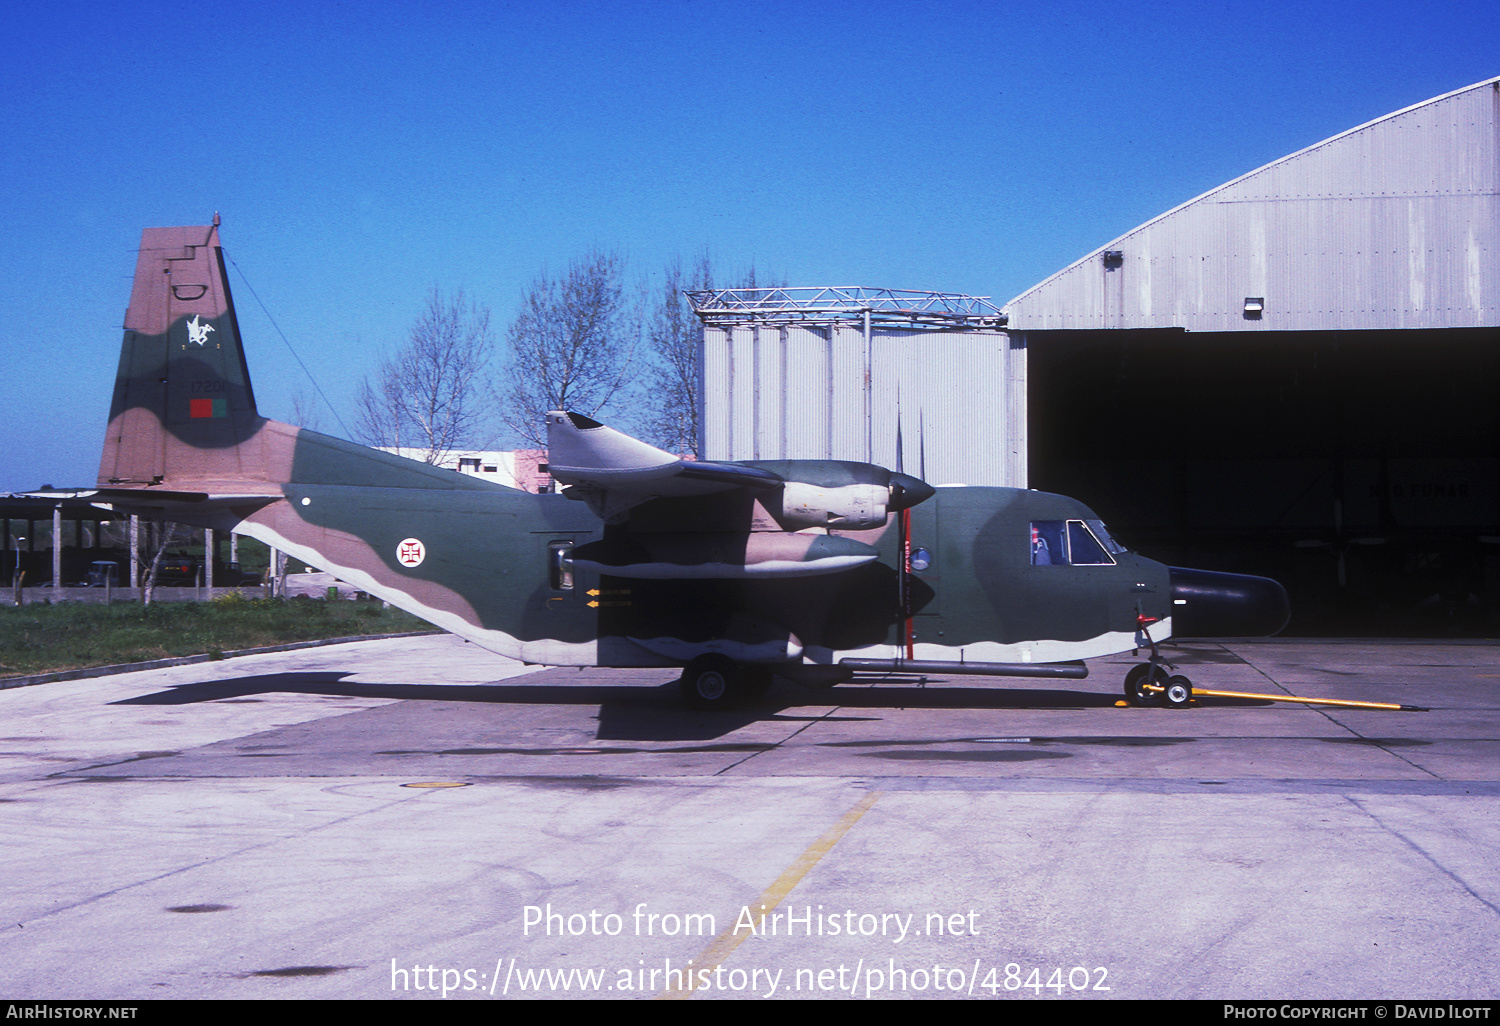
(1359, 468)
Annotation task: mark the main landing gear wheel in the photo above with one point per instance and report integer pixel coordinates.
(711, 682)
(1179, 693)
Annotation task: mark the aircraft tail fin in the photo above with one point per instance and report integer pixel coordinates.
(183, 414)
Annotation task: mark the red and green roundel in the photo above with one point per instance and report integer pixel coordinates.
(205, 408)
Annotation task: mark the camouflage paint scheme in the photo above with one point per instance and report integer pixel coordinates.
(711, 558)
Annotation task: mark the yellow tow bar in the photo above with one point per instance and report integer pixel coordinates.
(1293, 698)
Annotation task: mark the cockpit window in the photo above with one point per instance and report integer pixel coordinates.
(1111, 546)
(1048, 545)
(1071, 543)
(1083, 547)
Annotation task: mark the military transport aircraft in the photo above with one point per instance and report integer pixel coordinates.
(811, 569)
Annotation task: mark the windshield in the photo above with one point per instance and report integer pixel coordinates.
(1072, 543)
(1111, 546)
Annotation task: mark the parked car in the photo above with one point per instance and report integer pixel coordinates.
(102, 572)
(177, 571)
(187, 572)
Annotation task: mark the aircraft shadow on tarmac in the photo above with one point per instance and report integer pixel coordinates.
(650, 713)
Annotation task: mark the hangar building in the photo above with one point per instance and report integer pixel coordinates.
(1296, 373)
(1293, 374)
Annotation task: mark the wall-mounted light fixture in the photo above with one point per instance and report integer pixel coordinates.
(1113, 258)
(1254, 307)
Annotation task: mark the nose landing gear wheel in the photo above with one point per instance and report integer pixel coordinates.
(1149, 683)
(1140, 682)
(1179, 692)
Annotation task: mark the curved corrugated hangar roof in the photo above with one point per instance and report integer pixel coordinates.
(1389, 225)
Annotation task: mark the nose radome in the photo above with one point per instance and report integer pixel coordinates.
(1211, 604)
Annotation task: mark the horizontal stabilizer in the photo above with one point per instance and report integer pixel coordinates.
(153, 501)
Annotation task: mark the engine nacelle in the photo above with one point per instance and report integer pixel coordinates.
(837, 494)
(850, 507)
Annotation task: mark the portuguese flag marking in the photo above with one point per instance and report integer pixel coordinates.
(207, 408)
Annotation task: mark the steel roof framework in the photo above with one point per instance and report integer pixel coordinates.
(847, 304)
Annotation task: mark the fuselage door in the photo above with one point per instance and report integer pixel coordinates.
(566, 586)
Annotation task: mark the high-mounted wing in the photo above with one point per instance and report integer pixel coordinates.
(774, 521)
(614, 472)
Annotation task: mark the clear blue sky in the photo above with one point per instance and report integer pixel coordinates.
(360, 153)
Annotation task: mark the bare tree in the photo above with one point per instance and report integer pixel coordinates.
(160, 535)
(305, 412)
(572, 345)
(676, 337)
(431, 394)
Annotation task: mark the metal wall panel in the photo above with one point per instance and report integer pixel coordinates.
(848, 398)
(715, 378)
(803, 391)
(1394, 224)
(742, 345)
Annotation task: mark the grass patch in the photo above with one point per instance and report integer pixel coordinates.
(67, 636)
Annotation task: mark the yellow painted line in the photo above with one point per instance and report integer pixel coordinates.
(712, 956)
